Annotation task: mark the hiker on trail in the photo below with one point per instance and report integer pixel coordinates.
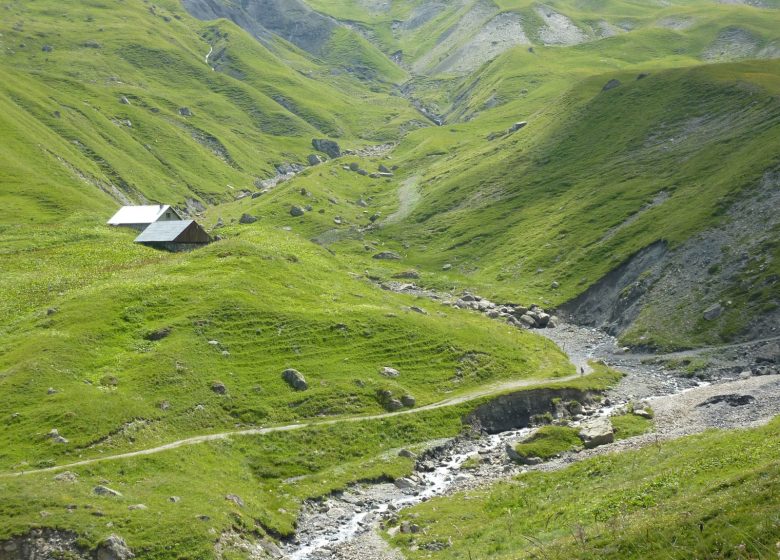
(582, 370)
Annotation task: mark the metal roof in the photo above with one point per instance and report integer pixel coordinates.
(163, 231)
(139, 214)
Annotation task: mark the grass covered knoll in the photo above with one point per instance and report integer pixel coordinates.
(708, 496)
(548, 442)
(238, 312)
(630, 425)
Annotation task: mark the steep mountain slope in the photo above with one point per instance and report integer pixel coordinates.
(600, 175)
(125, 100)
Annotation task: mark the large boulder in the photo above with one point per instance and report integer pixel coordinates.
(713, 312)
(295, 379)
(247, 219)
(517, 126)
(114, 548)
(528, 321)
(327, 146)
(769, 353)
(314, 159)
(297, 211)
(596, 432)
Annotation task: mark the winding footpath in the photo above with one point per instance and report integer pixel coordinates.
(478, 393)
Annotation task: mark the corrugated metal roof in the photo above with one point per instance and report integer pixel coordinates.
(139, 214)
(163, 231)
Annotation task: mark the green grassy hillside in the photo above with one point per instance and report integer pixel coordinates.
(709, 496)
(239, 312)
(122, 348)
(92, 108)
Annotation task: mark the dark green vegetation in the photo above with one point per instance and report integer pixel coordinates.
(123, 348)
(707, 496)
(548, 442)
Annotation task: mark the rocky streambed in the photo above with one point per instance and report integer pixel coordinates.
(344, 525)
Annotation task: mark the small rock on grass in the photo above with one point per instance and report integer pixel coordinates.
(114, 548)
(235, 499)
(106, 491)
(66, 476)
(389, 372)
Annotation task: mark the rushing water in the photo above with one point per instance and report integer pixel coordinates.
(342, 518)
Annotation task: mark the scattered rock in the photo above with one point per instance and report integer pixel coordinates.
(407, 275)
(555, 285)
(362, 203)
(91, 44)
(404, 483)
(408, 401)
(51, 391)
(328, 147)
(106, 491)
(713, 312)
(528, 321)
(769, 353)
(408, 454)
(596, 432)
(137, 507)
(124, 100)
(66, 476)
(235, 499)
(47, 48)
(51, 311)
(174, 499)
(314, 159)
(389, 372)
(393, 404)
(219, 388)
(185, 112)
(642, 413)
(295, 379)
(297, 211)
(383, 168)
(387, 255)
(159, 334)
(447, 267)
(419, 310)
(114, 548)
(612, 84)
(247, 219)
(517, 126)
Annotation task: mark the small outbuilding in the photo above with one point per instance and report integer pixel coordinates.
(179, 235)
(139, 217)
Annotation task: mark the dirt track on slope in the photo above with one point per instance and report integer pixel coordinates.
(478, 393)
